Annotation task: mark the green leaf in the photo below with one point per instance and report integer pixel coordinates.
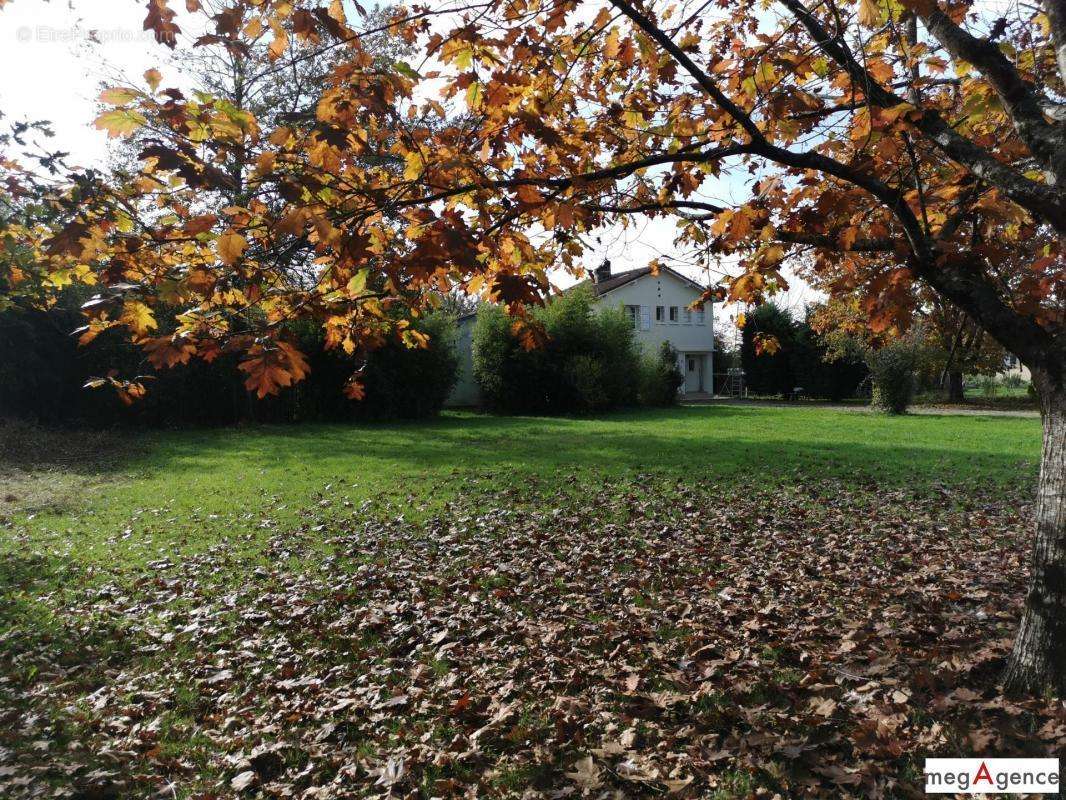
(120, 122)
(406, 70)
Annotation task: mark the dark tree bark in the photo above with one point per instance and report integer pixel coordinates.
(956, 389)
(1038, 661)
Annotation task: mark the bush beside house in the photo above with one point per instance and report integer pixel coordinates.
(660, 378)
(892, 371)
(591, 362)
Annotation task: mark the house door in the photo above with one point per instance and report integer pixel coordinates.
(693, 372)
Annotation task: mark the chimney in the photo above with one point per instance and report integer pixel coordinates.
(602, 272)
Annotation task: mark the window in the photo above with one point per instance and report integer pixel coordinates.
(1012, 361)
(692, 365)
(633, 312)
(660, 314)
(673, 315)
(686, 316)
(699, 317)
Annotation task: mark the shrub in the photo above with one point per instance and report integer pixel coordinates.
(801, 360)
(660, 378)
(892, 370)
(411, 383)
(43, 370)
(590, 362)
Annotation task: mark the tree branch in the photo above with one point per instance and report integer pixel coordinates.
(827, 242)
(606, 174)
(1020, 99)
(1042, 201)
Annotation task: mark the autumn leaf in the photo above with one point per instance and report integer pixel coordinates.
(292, 223)
(200, 224)
(529, 194)
(137, 317)
(354, 389)
(167, 352)
(412, 166)
(869, 13)
(766, 344)
(231, 246)
(120, 122)
(280, 43)
(272, 367)
(585, 773)
(153, 78)
(119, 96)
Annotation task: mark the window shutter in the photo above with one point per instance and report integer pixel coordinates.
(699, 318)
(645, 318)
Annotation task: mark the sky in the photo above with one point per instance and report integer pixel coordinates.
(56, 58)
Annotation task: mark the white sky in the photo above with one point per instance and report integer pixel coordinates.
(55, 59)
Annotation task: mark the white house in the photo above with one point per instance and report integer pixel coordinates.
(658, 305)
(1013, 367)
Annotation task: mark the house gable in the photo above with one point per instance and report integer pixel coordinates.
(659, 305)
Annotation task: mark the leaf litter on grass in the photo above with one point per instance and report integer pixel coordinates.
(639, 637)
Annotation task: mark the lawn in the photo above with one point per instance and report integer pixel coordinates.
(149, 495)
(702, 602)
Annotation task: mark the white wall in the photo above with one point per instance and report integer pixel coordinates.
(666, 290)
(466, 391)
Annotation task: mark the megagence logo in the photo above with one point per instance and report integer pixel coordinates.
(991, 776)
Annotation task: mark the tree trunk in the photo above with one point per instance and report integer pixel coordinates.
(956, 391)
(1038, 661)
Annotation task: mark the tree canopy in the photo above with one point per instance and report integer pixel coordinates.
(881, 144)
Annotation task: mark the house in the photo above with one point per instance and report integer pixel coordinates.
(658, 306)
(1014, 368)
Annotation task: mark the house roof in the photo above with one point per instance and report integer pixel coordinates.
(622, 278)
(615, 281)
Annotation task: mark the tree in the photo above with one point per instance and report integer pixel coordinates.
(960, 347)
(801, 360)
(889, 145)
(946, 342)
(768, 373)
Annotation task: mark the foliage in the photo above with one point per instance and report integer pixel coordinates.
(411, 383)
(948, 341)
(892, 371)
(396, 225)
(43, 373)
(590, 361)
(768, 373)
(660, 378)
(802, 359)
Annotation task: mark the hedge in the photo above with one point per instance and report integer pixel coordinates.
(43, 370)
(800, 362)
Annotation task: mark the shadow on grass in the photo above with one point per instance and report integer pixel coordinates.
(27, 447)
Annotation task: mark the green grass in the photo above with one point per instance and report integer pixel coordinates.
(181, 491)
